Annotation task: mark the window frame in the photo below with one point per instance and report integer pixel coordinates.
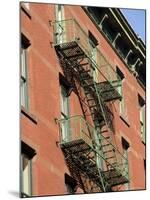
(142, 117)
(125, 152)
(122, 106)
(65, 115)
(60, 28)
(93, 43)
(28, 153)
(29, 166)
(64, 103)
(24, 57)
(71, 184)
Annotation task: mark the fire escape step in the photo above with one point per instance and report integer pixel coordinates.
(106, 145)
(98, 120)
(110, 157)
(85, 72)
(87, 92)
(92, 106)
(74, 56)
(112, 164)
(108, 137)
(111, 177)
(112, 173)
(69, 46)
(107, 151)
(72, 144)
(86, 85)
(83, 64)
(85, 78)
(81, 150)
(92, 166)
(90, 100)
(88, 162)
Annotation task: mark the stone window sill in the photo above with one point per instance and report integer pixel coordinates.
(26, 10)
(30, 116)
(125, 120)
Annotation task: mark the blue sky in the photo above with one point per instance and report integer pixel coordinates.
(136, 19)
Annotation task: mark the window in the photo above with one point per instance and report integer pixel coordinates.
(27, 154)
(60, 26)
(65, 92)
(65, 114)
(59, 12)
(93, 50)
(97, 140)
(23, 70)
(64, 102)
(71, 184)
(26, 175)
(125, 146)
(142, 117)
(120, 90)
(145, 166)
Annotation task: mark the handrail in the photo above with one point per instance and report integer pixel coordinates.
(82, 134)
(89, 125)
(71, 26)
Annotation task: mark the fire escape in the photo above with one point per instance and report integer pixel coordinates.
(90, 153)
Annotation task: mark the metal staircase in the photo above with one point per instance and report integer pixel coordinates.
(86, 160)
(93, 158)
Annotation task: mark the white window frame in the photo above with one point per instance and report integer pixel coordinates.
(122, 105)
(60, 26)
(125, 155)
(142, 122)
(26, 176)
(122, 101)
(65, 115)
(93, 51)
(99, 160)
(24, 79)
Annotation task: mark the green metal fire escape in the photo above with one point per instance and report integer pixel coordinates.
(91, 155)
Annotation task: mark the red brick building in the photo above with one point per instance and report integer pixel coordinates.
(82, 101)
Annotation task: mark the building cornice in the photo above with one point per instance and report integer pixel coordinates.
(127, 29)
(137, 44)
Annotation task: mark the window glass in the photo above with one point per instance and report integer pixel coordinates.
(125, 146)
(26, 175)
(23, 72)
(93, 51)
(65, 115)
(64, 102)
(60, 25)
(142, 117)
(120, 90)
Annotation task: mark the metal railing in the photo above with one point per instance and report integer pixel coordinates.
(78, 129)
(67, 31)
